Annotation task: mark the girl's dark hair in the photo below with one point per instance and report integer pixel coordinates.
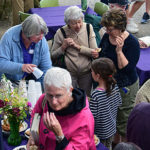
(127, 146)
(106, 69)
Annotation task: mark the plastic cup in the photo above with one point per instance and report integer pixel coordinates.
(37, 73)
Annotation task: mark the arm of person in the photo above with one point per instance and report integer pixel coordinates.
(94, 106)
(44, 61)
(59, 45)
(9, 58)
(37, 109)
(80, 139)
(142, 44)
(91, 50)
(122, 60)
(128, 59)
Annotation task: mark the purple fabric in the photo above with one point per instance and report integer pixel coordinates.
(143, 65)
(138, 130)
(27, 57)
(8, 147)
(100, 146)
(54, 17)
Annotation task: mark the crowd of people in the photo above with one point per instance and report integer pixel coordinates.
(97, 91)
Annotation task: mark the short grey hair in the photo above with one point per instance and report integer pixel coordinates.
(73, 13)
(33, 25)
(58, 77)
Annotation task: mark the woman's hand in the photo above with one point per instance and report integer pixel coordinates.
(120, 43)
(142, 44)
(66, 43)
(30, 143)
(28, 68)
(70, 42)
(52, 123)
(95, 53)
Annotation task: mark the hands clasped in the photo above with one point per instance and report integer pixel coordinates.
(69, 42)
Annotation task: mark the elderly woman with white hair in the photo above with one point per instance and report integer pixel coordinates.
(77, 47)
(66, 120)
(24, 47)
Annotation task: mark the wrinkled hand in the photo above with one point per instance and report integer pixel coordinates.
(69, 42)
(142, 44)
(30, 143)
(120, 43)
(28, 68)
(66, 43)
(52, 123)
(95, 53)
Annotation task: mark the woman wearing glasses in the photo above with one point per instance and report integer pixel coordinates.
(123, 49)
(66, 121)
(24, 47)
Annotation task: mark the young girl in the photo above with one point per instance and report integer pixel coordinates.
(105, 100)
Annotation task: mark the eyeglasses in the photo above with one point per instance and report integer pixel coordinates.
(109, 30)
(57, 96)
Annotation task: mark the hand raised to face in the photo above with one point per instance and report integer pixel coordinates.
(52, 123)
(120, 43)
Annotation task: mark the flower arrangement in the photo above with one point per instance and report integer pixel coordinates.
(12, 103)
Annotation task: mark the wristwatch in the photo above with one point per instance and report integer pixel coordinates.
(59, 138)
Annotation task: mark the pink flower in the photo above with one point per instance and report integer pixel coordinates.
(29, 104)
(2, 104)
(16, 111)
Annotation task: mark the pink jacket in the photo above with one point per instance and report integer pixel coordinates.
(78, 129)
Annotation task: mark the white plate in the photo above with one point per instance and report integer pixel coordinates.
(98, 142)
(22, 128)
(26, 134)
(19, 147)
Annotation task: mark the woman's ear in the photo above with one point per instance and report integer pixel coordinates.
(71, 89)
(97, 76)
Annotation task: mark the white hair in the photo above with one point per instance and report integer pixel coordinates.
(73, 13)
(58, 77)
(33, 25)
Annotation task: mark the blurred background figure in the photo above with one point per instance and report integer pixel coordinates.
(131, 26)
(138, 126)
(114, 4)
(23, 6)
(126, 146)
(143, 94)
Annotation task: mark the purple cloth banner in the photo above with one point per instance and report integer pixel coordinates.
(54, 17)
(143, 65)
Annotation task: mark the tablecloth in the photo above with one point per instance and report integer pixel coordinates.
(100, 146)
(54, 17)
(143, 65)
